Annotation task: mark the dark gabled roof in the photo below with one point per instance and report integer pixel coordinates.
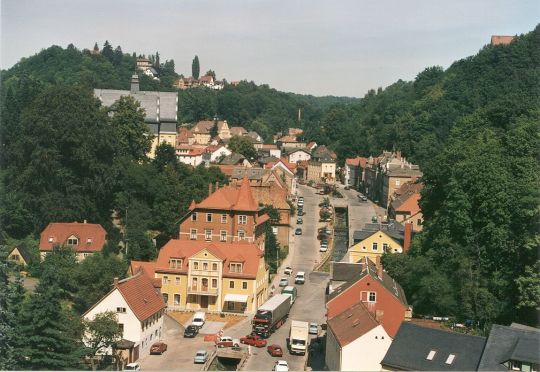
(516, 342)
(393, 229)
(345, 271)
(232, 159)
(412, 345)
(251, 173)
(23, 250)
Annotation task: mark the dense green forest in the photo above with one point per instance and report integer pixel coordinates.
(473, 128)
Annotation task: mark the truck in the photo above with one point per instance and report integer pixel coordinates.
(271, 315)
(298, 337)
(291, 291)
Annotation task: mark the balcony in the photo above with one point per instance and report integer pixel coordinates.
(200, 290)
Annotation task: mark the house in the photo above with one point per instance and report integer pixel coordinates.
(417, 348)
(145, 65)
(354, 171)
(85, 238)
(186, 83)
(229, 214)
(214, 153)
(311, 146)
(190, 155)
(139, 308)
(235, 159)
(297, 155)
(313, 171)
(276, 196)
(368, 282)
(355, 341)
(255, 136)
(376, 239)
(501, 39)
(322, 152)
(268, 150)
(286, 172)
(185, 137)
(214, 276)
(395, 173)
(255, 175)
(295, 132)
(20, 254)
(289, 142)
(202, 131)
(207, 81)
(511, 348)
(223, 130)
(405, 205)
(238, 131)
(161, 110)
(148, 269)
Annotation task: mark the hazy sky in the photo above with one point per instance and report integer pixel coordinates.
(336, 47)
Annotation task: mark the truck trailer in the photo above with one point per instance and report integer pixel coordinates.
(271, 315)
(298, 337)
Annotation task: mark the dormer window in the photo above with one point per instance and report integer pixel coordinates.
(175, 263)
(89, 241)
(51, 239)
(72, 240)
(236, 267)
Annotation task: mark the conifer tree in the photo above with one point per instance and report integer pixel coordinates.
(195, 68)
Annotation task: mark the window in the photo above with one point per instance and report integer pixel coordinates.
(236, 267)
(230, 305)
(244, 285)
(73, 240)
(223, 235)
(419, 222)
(89, 241)
(450, 359)
(231, 284)
(363, 248)
(194, 216)
(385, 247)
(274, 230)
(241, 234)
(398, 182)
(177, 299)
(195, 265)
(208, 217)
(242, 220)
(374, 246)
(165, 280)
(372, 296)
(51, 239)
(431, 355)
(208, 234)
(120, 309)
(193, 234)
(177, 280)
(166, 297)
(223, 218)
(175, 263)
(194, 283)
(205, 266)
(214, 266)
(214, 283)
(121, 328)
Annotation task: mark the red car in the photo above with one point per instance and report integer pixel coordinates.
(275, 350)
(253, 340)
(158, 348)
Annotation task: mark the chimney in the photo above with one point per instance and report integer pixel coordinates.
(379, 314)
(379, 266)
(210, 189)
(85, 221)
(134, 83)
(407, 237)
(115, 281)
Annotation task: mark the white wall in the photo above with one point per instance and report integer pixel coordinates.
(333, 356)
(366, 352)
(219, 152)
(276, 153)
(299, 156)
(190, 160)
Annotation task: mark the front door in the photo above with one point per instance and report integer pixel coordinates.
(204, 302)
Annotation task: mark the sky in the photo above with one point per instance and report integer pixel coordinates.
(319, 47)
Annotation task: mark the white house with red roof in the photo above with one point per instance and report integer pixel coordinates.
(190, 155)
(85, 238)
(139, 308)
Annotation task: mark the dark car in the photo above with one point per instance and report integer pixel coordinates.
(191, 331)
(275, 350)
(298, 231)
(301, 213)
(299, 220)
(158, 348)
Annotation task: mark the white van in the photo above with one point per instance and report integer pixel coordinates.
(300, 277)
(198, 319)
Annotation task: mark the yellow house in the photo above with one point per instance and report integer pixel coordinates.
(373, 243)
(20, 255)
(212, 276)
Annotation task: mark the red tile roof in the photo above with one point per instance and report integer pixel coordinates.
(141, 296)
(231, 198)
(92, 237)
(226, 169)
(289, 166)
(227, 252)
(501, 39)
(203, 126)
(351, 324)
(410, 205)
(287, 139)
(358, 161)
(273, 195)
(183, 135)
(238, 131)
(148, 269)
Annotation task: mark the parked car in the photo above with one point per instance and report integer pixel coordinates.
(201, 356)
(362, 197)
(158, 348)
(313, 328)
(288, 270)
(298, 231)
(284, 282)
(374, 219)
(253, 340)
(300, 277)
(299, 220)
(227, 341)
(191, 331)
(323, 248)
(132, 367)
(324, 241)
(198, 319)
(301, 212)
(275, 350)
(281, 365)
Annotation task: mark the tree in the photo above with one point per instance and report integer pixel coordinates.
(195, 68)
(211, 73)
(165, 156)
(96, 48)
(108, 51)
(101, 333)
(52, 335)
(131, 132)
(244, 146)
(59, 268)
